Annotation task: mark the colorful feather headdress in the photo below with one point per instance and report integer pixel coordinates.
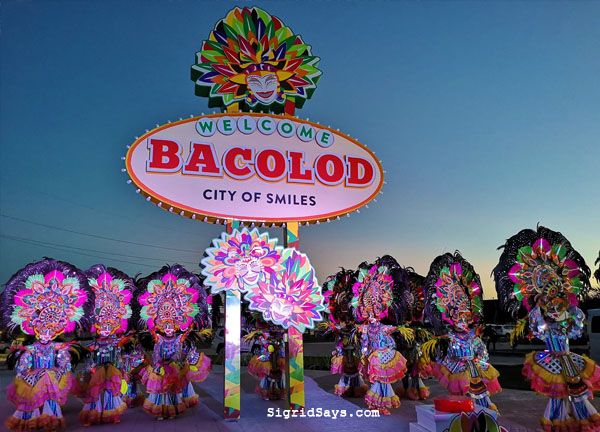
(539, 264)
(454, 295)
(253, 59)
(172, 296)
(372, 293)
(338, 292)
(46, 297)
(113, 291)
(399, 311)
(416, 288)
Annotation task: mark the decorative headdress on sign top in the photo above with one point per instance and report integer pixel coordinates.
(172, 298)
(540, 267)
(241, 260)
(338, 292)
(113, 292)
(293, 298)
(372, 293)
(254, 59)
(46, 298)
(454, 294)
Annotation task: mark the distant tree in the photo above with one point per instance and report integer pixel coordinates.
(597, 272)
(592, 297)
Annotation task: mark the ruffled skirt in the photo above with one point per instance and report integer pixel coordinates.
(546, 378)
(165, 390)
(38, 406)
(459, 383)
(385, 366)
(102, 395)
(259, 368)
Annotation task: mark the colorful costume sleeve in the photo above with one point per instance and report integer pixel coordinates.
(199, 365)
(24, 364)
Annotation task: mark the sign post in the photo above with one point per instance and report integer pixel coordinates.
(295, 347)
(231, 362)
(255, 163)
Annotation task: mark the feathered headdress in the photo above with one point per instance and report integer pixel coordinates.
(399, 311)
(372, 293)
(453, 293)
(338, 291)
(172, 296)
(113, 291)
(539, 262)
(416, 288)
(47, 296)
(252, 58)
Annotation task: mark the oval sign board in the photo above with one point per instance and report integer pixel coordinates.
(253, 167)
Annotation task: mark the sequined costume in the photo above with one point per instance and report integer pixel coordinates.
(407, 309)
(268, 364)
(541, 276)
(381, 364)
(172, 304)
(418, 368)
(133, 360)
(41, 387)
(45, 299)
(346, 357)
(454, 306)
(466, 370)
(102, 384)
(345, 361)
(168, 378)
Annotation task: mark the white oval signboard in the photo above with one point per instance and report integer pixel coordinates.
(253, 167)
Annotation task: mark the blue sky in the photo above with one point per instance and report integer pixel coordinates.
(486, 116)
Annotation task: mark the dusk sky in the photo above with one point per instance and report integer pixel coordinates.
(486, 116)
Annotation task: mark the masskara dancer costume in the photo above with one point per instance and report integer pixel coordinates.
(345, 359)
(418, 368)
(454, 306)
(103, 383)
(541, 276)
(172, 303)
(45, 299)
(268, 364)
(381, 364)
(133, 360)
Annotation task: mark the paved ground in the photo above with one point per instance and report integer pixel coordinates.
(519, 409)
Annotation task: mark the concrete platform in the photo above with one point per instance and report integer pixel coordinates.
(519, 410)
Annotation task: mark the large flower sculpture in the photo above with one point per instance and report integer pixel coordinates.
(113, 295)
(458, 295)
(544, 269)
(241, 260)
(252, 58)
(372, 293)
(49, 302)
(293, 298)
(169, 300)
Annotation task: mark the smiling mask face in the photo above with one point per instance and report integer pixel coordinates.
(264, 86)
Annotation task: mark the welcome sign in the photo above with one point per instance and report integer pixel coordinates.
(253, 167)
